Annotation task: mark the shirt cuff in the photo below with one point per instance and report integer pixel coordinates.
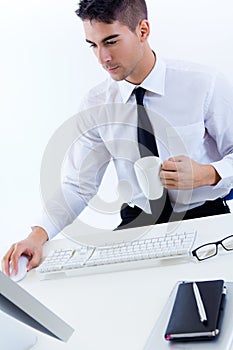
(224, 169)
(43, 221)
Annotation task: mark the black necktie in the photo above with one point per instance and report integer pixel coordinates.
(146, 139)
(161, 208)
(148, 147)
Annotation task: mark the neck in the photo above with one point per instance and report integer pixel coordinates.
(145, 67)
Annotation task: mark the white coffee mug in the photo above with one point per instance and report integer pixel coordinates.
(147, 172)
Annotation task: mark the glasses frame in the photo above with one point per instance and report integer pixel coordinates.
(217, 243)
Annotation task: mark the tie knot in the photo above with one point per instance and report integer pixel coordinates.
(139, 93)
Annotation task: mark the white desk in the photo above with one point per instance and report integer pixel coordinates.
(118, 310)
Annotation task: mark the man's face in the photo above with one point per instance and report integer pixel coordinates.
(118, 49)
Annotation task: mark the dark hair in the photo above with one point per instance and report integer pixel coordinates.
(127, 12)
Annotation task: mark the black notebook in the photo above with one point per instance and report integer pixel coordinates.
(185, 322)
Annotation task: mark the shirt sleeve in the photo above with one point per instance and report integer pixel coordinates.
(82, 170)
(219, 124)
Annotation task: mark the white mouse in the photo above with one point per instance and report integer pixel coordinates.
(22, 269)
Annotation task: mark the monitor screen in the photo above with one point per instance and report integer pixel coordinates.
(14, 334)
(18, 303)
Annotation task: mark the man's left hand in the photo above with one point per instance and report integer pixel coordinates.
(183, 173)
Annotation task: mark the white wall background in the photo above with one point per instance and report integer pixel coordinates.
(45, 68)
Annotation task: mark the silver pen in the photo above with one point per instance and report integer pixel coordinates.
(200, 305)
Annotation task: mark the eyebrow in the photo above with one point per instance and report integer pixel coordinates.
(104, 39)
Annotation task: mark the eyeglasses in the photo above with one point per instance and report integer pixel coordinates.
(208, 250)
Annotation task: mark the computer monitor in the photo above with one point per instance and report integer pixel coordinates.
(14, 334)
(18, 303)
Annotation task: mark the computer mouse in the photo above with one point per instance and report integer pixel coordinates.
(22, 269)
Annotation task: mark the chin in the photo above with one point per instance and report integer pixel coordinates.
(118, 77)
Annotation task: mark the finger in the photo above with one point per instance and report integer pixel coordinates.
(35, 260)
(169, 175)
(15, 259)
(169, 166)
(19, 249)
(170, 180)
(170, 185)
(6, 260)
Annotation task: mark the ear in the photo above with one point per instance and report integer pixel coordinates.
(143, 29)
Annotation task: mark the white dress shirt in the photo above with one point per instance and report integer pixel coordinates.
(191, 111)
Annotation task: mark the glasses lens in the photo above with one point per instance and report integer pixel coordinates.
(228, 243)
(206, 251)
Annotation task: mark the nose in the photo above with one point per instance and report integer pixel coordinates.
(103, 55)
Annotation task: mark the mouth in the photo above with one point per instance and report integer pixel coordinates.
(112, 69)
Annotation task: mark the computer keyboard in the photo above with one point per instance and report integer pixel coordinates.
(144, 252)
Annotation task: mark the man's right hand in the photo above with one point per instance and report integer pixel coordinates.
(31, 247)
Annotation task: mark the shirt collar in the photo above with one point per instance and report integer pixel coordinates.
(154, 82)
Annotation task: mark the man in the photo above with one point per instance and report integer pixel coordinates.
(197, 105)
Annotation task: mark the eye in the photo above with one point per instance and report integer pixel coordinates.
(112, 42)
(92, 45)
